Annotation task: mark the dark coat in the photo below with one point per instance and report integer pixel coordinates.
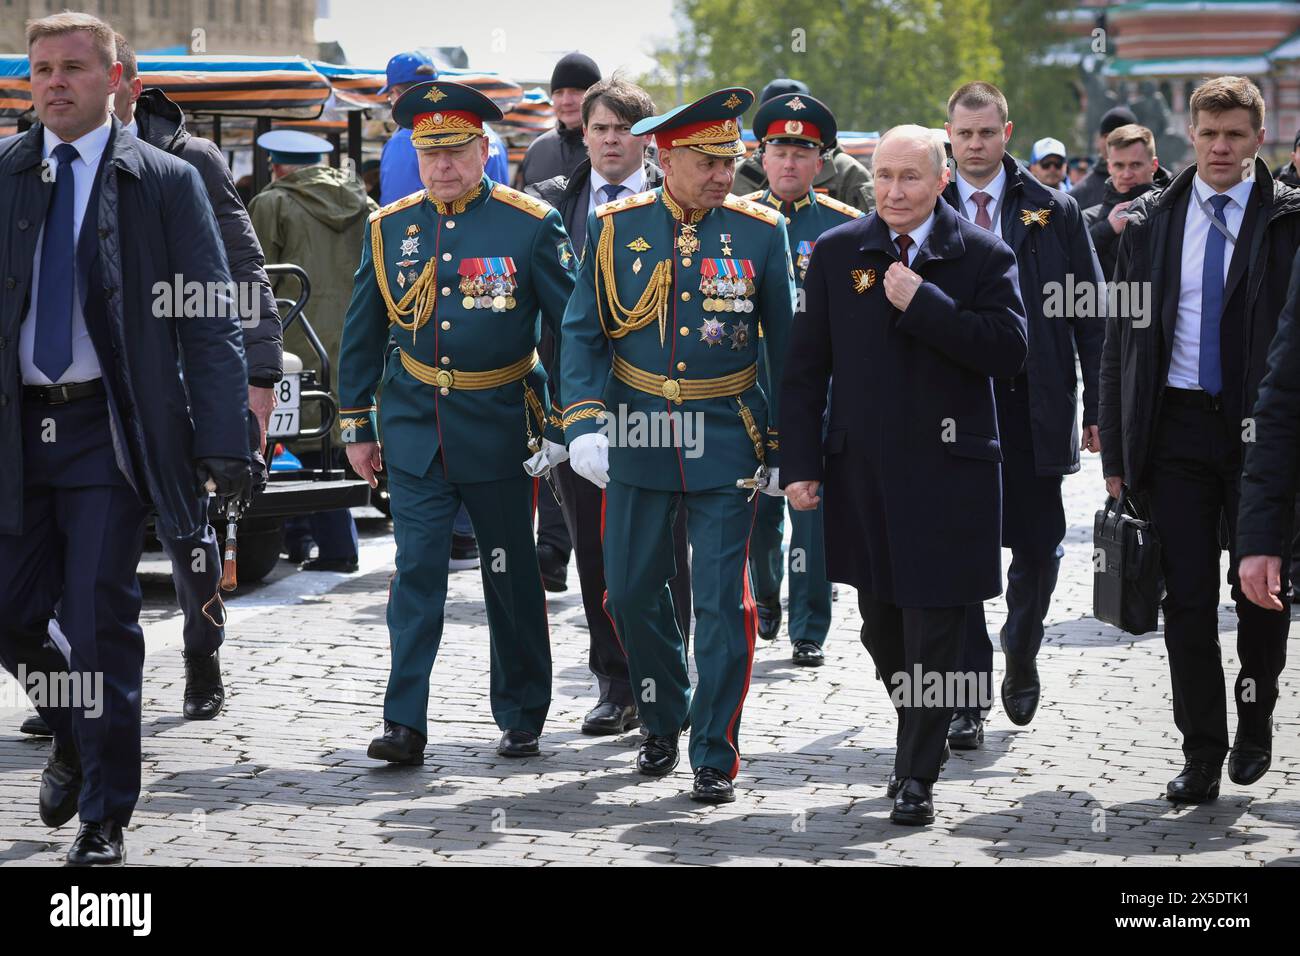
(147, 221)
(1058, 253)
(1091, 188)
(1104, 238)
(568, 194)
(1269, 478)
(1135, 361)
(161, 123)
(557, 152)
(910, 467)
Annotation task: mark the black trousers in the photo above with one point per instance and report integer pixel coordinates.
(1033, 526)
(908, 645)
(83, 531)
(1194, 479)
(583, 508)
(552, 529)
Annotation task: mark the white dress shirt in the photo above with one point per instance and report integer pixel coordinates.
(919, 235)
(633, 185)
(995, 189)
(1185, 364)
(85, 363)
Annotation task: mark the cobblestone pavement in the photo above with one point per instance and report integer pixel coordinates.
(282, 776)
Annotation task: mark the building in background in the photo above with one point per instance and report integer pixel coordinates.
(263, 27)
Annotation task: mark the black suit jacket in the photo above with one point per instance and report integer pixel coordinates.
(910, 462)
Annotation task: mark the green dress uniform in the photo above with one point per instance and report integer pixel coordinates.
(660, 352)
(444, 319)
(801, 120)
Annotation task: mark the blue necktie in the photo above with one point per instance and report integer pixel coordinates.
(1210, 372)
(52, 349)
(611, 191)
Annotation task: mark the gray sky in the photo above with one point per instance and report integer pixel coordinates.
(519, 38)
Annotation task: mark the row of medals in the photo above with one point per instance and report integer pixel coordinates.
(483, 293)
(727, 295)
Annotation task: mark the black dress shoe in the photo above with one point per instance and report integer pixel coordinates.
(1249, 759)
(97, 844)
(891, 789)
(338, 565)
(769, 619)
(712, 786)
(608, 718)
(1020, 690)
(204, 693)
(554, 567)
(657, 756)
(807, 654)
(914, 804)
(399, 744)
(1198, 783)
(518, 743)
(965, 732)
(35, 726)
(464, 552)
(60, 783)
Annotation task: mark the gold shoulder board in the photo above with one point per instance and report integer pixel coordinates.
(841, 207)
(521, 201)
(627, 202)
(404, 203)
(754, 211)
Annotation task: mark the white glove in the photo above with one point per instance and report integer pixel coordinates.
(589, 456)
(773, 486)
(551, 455)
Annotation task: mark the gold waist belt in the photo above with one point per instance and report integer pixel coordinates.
(683, 389)
(452, 378)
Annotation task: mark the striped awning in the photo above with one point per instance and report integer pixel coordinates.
(239, 85)
(286, 88)
(354, 87)
(532, 114)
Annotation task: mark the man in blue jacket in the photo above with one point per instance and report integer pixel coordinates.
(97, 429)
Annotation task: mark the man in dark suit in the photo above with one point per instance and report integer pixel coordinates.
(98, 227)
(1037, 408)
(616, 167)
(1178, 380)
(909, 314)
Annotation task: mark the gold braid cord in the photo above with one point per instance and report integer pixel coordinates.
(751, 426)
(653, 302)
(418, 302)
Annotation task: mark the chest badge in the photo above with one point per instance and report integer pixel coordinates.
(688, 243)
(639, 244)
(725, 239)
(713, 332)
(863, 279)
(411, 246)
(739, 336)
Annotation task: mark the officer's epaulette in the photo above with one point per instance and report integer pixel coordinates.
(755, 196)
(522, 201)
(753, 210)
(841, 207)
(403, 203)
(627, 202)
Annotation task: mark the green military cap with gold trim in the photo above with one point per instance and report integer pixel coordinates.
(710, 125)
(441, 113)
(796, 118)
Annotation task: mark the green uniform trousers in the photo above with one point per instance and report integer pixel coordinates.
(424, 510)
(810, 592)
(638, 542)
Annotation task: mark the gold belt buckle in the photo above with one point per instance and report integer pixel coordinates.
(672, 390)
(443, 378)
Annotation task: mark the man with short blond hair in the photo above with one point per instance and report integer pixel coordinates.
(1134, 170)
(1178, 383)
(144, 409)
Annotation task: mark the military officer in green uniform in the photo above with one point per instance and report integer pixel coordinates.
(456, 277)
(663, 410)
(795, 133)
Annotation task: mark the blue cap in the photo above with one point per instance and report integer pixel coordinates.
(410, 67)
(291, 147)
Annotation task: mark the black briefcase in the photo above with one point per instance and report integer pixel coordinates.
(1127, 584)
